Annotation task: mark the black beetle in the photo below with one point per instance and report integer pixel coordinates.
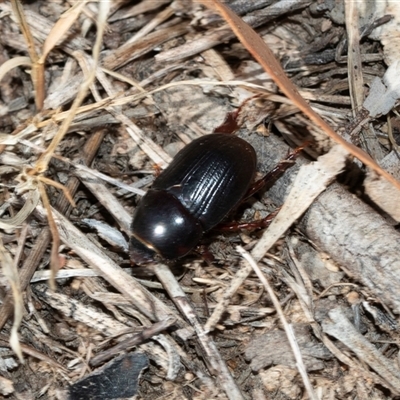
(205, 181)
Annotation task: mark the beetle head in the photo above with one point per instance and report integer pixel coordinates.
(140, 254)
(162, 229)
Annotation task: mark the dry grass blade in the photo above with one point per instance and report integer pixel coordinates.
(261, 52)
(163, 16)
(14, 63)
(30, 204)
(60, 28)
(55, 264)
(108, 200)
(19, 14)
(354, 64)
(10, 271)
(37, 70)
(56, 33)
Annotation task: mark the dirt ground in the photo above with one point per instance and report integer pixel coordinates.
(96, 98)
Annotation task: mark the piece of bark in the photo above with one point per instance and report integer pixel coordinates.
(382, 192)
(118, 379)
(318, 268)
(276, 350)
(343, 226)
(365, 245)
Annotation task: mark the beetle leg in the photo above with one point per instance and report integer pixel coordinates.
(205, 253)
(157, 170)
(271, 177)
(231, 124)
(248, 226)
(265, 182)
